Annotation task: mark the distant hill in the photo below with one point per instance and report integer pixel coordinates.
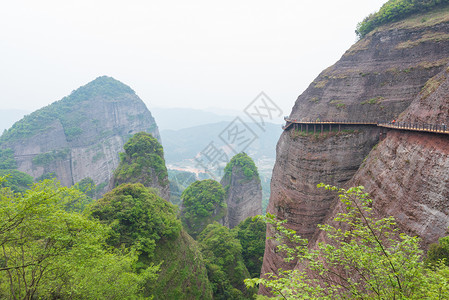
(180, 118)
(186, 143)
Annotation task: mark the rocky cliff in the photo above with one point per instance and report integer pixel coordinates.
(407, 174)
(81, 135)
(243, 189)
(382, 77)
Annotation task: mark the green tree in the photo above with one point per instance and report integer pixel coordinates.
(7, 160)
(143, 158)
(222, 252)
(87, 186)
(439, 251)
(137, 216)
(142, 220)
(395, 10)
(18, 181)
(364, 258)
(202, 204)
(251, 234)
(50, 252)
(243, 161)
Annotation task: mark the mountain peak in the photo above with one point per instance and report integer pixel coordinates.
(103, 86)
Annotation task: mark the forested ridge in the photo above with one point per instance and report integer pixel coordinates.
(396, 10)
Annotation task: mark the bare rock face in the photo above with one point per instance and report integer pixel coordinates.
(431, 106)
(407, 175)
(379, 78)
(243, 191)
(81, 135)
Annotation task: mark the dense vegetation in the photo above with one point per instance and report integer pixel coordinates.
(222, 252)
(142, 220)
(243, 161)
(142, 161)
(363, 257)
(45, 159)
(202, 204)
(183, 273)
(17, 181)
(251, 234)
(138, 217)
(50, 251)
(66, 110)
(439, 251)
(87, 186)
(395, 10)
(7, 160)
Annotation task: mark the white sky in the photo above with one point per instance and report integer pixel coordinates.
(196, 54)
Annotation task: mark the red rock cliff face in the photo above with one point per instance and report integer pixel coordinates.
(379, 78)
(407, 175)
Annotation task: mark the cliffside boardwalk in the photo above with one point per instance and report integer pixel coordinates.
(421, 127)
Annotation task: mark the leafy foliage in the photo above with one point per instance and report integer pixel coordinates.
(143, 156)
(87, 186)
(137, 216)
(7, 160)
(243, 161)
(395, 10)
(45, 176)
(18, 181)
(183, 273)
(222, 252)
(51, 252)
(141, 219)
(44, 159)
(65, 110)
(202, 203)
(363, 258)
(251, 234)
(438, 252)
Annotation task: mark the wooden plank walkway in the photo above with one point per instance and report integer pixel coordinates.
(433, 128)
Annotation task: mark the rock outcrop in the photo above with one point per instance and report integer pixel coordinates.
(243, 189)
(81, 135)
(382, 77)
(143, 162)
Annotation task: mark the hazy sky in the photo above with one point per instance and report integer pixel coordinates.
(196, 54)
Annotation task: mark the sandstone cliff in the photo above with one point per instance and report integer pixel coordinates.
(243, 189)
(407, 174)
(378, 78)
(81, 135)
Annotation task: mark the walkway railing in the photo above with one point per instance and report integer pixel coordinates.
(435, 128)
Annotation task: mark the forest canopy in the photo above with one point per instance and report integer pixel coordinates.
(395, 10)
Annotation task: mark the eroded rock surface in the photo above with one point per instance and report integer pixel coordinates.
(243, 195)
(379, 78)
